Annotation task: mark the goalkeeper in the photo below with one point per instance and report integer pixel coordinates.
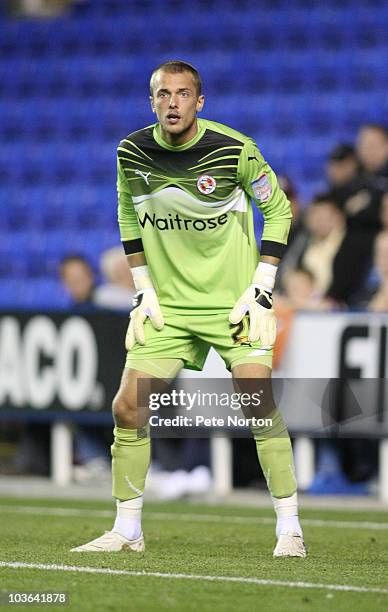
(185, 187)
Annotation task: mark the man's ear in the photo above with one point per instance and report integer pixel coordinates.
(152, 104)
(200, 103)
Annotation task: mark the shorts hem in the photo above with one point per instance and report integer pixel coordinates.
(135, 363)
(260, 359)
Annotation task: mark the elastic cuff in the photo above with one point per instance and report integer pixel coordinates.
(141, 278)
(265, 275)
(133, 246)
(272, 249)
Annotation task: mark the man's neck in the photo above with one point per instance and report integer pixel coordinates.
(175, 140)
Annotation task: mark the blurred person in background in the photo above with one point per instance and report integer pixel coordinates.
(343, 166)
(326, 226)
(359, 197)
(91, 457)
(118, 290)
(78, 280)
(374, 280)
(38, 8)
(379, 301)
(384, 211)
(316, 243)
(372, 149)
(300, 291)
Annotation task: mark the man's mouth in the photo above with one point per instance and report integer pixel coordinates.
(173, 118)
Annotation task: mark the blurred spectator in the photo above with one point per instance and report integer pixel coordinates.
(343, 166)
(379, 302)
(91, 455)
(360, 199)
(300, 291)
(326, 227)
(78, 279)
(316, 242)
(118, 291)
(38, 8)
(384, 211)
(372, 149)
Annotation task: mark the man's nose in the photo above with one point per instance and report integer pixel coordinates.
(173, 101)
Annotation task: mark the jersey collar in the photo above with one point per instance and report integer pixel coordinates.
(182, 147)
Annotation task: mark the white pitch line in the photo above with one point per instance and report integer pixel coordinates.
(186, 517)
(236, 579)
(54, 511)
(216, 518)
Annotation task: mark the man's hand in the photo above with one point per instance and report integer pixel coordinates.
(257, 302)
(145, 305)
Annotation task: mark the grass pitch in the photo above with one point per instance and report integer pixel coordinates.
(198, 558)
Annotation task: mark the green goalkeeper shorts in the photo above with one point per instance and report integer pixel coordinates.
(189, 337)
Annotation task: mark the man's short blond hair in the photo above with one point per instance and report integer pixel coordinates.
(176, 67)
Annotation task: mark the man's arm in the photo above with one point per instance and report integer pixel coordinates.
(260, 183)
(274, 261)
(137, 260)
(146, 301)
(129, 227)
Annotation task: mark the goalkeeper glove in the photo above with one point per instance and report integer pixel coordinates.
(257, 302)
(145, 304)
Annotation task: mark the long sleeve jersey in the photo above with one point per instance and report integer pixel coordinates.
(189, 208)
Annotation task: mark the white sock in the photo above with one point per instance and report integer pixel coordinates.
(128, 518)
(286, 509)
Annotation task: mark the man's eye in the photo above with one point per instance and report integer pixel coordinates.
(185, 94)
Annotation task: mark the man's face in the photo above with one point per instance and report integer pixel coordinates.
(78, 279)
(341, 171)
(176, 103)
(372, 148)
(121, 274)
(323, 218)
(299, 287)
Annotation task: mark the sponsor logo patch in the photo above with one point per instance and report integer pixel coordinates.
(262, 188)
(206, 184)
(180, 223)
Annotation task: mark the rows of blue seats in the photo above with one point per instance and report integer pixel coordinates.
(71, 88)
(39, 293)
(225, 63)
(31, 254)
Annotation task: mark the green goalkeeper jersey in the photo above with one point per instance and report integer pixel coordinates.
(188, 207)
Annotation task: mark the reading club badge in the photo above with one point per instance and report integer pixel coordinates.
(206, 184)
